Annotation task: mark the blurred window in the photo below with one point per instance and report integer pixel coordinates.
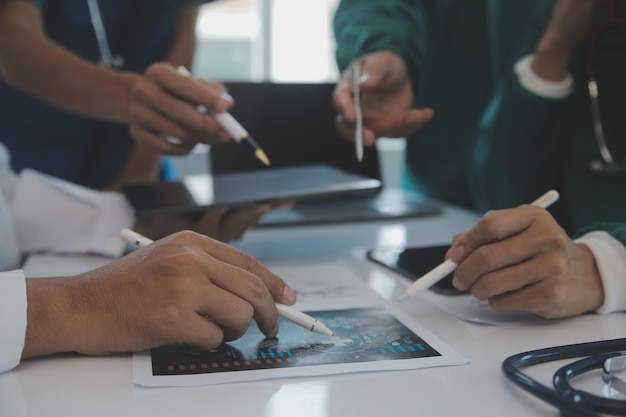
(266, 40)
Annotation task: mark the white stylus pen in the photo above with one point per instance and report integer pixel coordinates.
(310, 323)
(356, 94)
(438, 273)
(237, 132)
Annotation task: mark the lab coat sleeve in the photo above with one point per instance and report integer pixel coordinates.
(57, 216)
(532, 82)
(12, 318)
(610, 257)
(607, 242)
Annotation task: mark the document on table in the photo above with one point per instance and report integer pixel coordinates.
(472, 310)
(370, 335)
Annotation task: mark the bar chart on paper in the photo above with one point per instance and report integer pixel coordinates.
(361, 335)
(369, 335)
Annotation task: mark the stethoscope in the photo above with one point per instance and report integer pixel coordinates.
(106, 58)
(608, 164)
(608, 355)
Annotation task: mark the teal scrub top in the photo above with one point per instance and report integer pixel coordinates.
(492, 144)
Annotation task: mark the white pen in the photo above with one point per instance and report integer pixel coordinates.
(356, 94)
(310, 323)
(232, 126)
(438, 273)
(304, 320)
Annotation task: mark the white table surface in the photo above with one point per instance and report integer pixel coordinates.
(70, 385)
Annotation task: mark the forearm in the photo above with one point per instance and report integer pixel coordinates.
(568, 25)
(144, 162)
(364, 26)
(32, 63)
(183, 40)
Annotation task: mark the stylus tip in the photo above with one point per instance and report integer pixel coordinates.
(262, 157)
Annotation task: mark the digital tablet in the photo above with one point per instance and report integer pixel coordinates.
(387, 204)
(201, 192)
(414, 262)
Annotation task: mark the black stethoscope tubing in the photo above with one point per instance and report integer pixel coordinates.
(575, 406)
(595, 402)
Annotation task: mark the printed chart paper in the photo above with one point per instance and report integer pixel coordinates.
(370, 335)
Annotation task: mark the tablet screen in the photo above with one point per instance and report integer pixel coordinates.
(412, 263)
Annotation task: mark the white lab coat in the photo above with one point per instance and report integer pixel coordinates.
(41, 213)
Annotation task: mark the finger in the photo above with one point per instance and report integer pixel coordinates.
(158, 142)
(348, 130)
(343, 100)
(237, 221)
(210, 223)
(280, 291)
(498, 225)
(496, 255)
(507, 279)
(345, 129)
(382, 70)
(456, 253)
(191, 89)
(240, 284)
(541, 298)
(531, 299)
(197, 331)
(225, 304)
(156, 122)
(403, 124)
(171, 116)
(211, 314)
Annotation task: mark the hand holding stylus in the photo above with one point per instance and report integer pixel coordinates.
(164, 104)
(301, 319)
(449, 265)
(236, 131)
(520, 259)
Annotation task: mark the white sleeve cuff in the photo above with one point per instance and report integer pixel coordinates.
(57, 216)
(12, 318)
(610, 257)
(549, 89)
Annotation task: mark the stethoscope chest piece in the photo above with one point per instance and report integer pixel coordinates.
(614, 373)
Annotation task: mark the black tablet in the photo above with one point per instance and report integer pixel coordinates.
(414, 262)
(201, 192)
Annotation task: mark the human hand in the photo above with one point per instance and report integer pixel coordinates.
(521, 259)
(386, 99)
(160, 294)
(228, 225)
(223, 224)
(568, 26)
(164, 104)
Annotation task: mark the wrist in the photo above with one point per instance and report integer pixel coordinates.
(595, 290)
(551, 61)
(530, 81)
(50, 323)
(127, 81)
